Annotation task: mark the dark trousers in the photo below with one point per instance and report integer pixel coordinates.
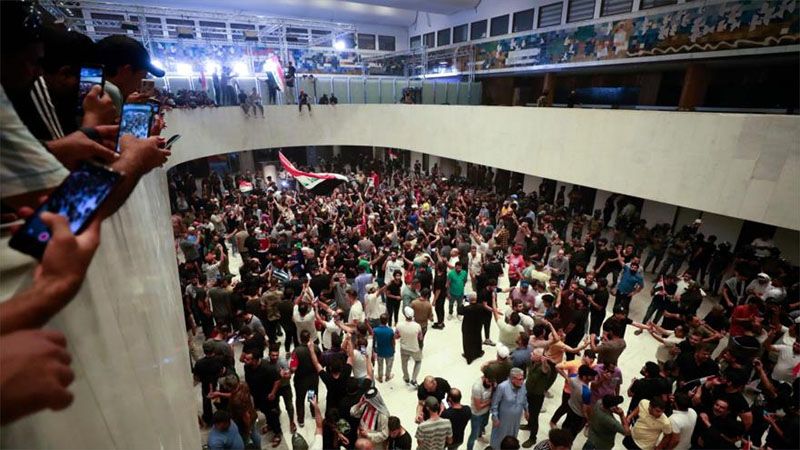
(653, 256)
(300, 107)
(302, 385)
(290, 330)
(535, 402)
(393, 307)
(562, 409)
(207, 323)
(573, 423)
(272, 411)
(272, 96)
(208, 412)
(272, 330)
(654, 308)
(487, 322)
(596, 319)
(622, 300)
(629, 444)
(714, 282)
(439, 307)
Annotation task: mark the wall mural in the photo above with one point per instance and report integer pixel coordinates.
(723, 26)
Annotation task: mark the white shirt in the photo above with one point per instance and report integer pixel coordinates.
(525, 320)
(356, 312)
(360, 362)
(409, 333)
(662, 353)
(330, 329)
(391, 266)
(787, 361)
(683, 423)
(374, 306)
(304, 322)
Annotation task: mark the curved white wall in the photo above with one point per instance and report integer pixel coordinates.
(125, 331)
(739, 165)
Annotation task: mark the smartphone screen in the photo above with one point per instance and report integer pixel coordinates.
(78, 198)
(90, 76)
(311, 394)
(136, 120)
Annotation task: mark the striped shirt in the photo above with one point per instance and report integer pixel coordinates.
(433, 433)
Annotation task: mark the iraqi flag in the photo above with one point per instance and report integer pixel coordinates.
(318, 183)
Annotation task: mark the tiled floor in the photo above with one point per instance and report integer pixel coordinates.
(442, 357)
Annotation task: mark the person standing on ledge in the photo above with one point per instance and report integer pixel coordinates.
(303, 100)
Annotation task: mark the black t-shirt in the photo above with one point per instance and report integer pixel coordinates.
(402, 442)
(459, 418)
(394, 289)
(208, 369)
(727, 426)
(442, 388)
(647, 389)
(737, 404)
(622, 325)
(440, 283)
(337, 387)
(319, 283)
(689, 370)
(260, 380)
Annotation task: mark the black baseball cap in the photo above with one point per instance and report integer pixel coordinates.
(118, 50)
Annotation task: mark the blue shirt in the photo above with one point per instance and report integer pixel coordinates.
(361, 283)
(629, 281)
(383, 337)
(225, 440)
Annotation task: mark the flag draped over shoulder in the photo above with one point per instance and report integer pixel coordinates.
(318, 183)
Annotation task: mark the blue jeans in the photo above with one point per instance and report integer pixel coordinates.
(478, 426)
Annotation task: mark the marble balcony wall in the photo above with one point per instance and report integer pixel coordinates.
(738, 165)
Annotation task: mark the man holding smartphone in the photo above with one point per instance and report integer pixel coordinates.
(126, 63)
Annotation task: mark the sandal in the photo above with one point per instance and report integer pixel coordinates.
(276, 440)
(292, 427)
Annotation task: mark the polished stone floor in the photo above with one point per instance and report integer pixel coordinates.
(442, 358)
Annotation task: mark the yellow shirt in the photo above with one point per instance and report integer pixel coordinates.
(648, 429)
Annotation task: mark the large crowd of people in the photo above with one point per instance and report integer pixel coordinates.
(330, 288)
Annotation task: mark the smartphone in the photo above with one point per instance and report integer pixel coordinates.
(137, 118)
(173, 139)
(311, 394)
(78, 198)
(90, 76)
(148, 87)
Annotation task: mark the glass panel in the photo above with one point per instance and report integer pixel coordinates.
(415, 41)
(366, 41)
(386, 43)
(499, 26)
(427, 92)
(356, 90)
(478, 30)
(647, 4)
(387, 91)
(611, 7)
(340, 89)
(463, 93)
(443, 37)
(475, 94)
(178, 83)
(452, 94)
(523, 21)
(460, 34)
(373, 91)
(429, 40)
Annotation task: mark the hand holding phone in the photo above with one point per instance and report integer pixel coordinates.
(90, 76)
(311, 395)
(136, 120)
(78, 198)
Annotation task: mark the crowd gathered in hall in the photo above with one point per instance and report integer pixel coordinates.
(330, 288)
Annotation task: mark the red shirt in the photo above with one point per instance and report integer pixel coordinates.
(742, 312)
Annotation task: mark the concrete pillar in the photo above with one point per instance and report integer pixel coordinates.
(695, 86)
(337, 150)
(246, 162)
(648, 88)
(550, 87)
(530, 183)
(269, 170)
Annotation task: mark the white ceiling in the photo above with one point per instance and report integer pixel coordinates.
(400, 13)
